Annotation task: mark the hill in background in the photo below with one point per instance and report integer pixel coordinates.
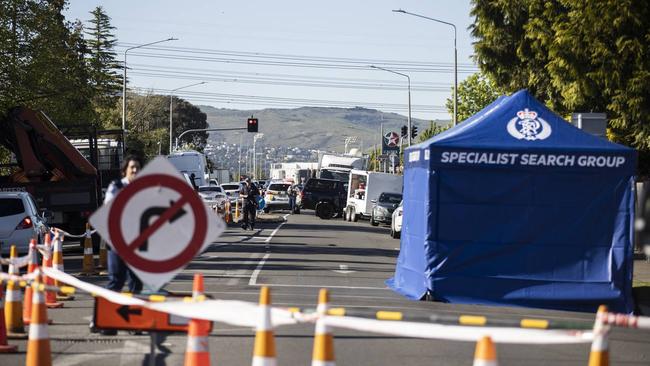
(311, 127)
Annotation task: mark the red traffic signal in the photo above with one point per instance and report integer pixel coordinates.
(252, 125)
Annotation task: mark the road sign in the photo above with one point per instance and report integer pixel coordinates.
(390, 142)
(109, 315)
(157, 223)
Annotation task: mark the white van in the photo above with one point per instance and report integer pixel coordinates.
(192, 163)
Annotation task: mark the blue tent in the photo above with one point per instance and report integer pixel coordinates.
(517, 207)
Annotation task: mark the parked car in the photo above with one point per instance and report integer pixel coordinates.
(213, 194)
(20, 221)
(396, 223)
(276, 197)
(232, 191)
(326, 196)
(383, 207)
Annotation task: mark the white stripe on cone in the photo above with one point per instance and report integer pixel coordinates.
(38, 332)
(323, 363)
(14, 296)
(197, 344)
(263, 361)
(264, 318)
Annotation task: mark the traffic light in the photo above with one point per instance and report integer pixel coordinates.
(404, 131)
(252, 125)
(414, 131)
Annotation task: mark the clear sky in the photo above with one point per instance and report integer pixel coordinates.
(284, 54)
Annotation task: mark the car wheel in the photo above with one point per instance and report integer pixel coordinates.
(373, 222)
(266, 210)
(353, 215)
(324, 210)
(394, 234)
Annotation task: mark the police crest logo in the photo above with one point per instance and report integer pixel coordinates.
(528, 126)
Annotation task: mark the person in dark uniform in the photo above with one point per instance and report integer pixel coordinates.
(248, 192)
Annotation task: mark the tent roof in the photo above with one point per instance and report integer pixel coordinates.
(499, 126)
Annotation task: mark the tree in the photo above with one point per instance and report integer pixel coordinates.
(104, 75)
(474, 93)
(433, 130)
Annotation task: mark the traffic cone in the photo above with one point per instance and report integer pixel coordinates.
(88, 261)
(14, 304)
(485, 354)
(57, 263)
(236, 219)
(323, 354)
(264, 352)
(599, 355)
(103, 257)
(50, 296)
(4, 346)
(197, 352)
(38, 344)
(31, 267)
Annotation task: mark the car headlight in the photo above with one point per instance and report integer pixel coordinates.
(382, 210)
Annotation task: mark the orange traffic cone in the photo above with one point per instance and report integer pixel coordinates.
(50, 296)
(57, 263)
(197, 352)
(4, 346)
(599, 355)
(264, 352)
(14, 303)
(38, 345)
(485, 354)
(88, 261)
(323, 354)
(31, 267)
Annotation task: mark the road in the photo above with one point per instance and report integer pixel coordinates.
(296, 259)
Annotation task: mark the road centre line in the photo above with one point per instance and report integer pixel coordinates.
(319, 286)
(258, 269)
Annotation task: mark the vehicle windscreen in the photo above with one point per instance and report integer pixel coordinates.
(230, 187)
(279, 187)
(336, 175)
(320, 185)
(209, 189)
(390, 197)
(11, 206)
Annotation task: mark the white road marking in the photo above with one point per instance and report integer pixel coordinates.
(319, 286)
(343, 269)
(258, 269)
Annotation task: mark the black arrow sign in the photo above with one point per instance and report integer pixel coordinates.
(125, 311)
(156, 211)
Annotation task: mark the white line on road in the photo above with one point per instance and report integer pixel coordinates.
(258, 269)
(319, 286)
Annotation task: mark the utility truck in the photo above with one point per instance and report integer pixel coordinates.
(365, 187)
(338, 167)
(192, 163)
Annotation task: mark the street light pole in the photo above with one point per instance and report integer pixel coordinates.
(255, 138)
(455, 58)
(408, 133)
(171, 99)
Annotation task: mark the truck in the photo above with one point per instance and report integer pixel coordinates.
(220, 175)
(297, 172)
(365, 187)
(333, 166)
(192, 163)
(64, 182)
(325, 196)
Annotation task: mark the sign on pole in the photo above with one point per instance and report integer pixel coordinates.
(157, 223)
(390, 143)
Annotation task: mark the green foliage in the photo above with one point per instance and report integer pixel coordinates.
(435, 129)
(42, 63)
(103, 66)
(474, 93)
(574, 55)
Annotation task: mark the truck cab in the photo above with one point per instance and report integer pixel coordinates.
(364, 189)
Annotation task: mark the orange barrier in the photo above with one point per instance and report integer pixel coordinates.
(323, 354)
(4, 346)
(50, 296)
(197, 352)
(599, 355)
(485, 354)
(88, 261)
(14, 303)
(264, 352)
(38, 345)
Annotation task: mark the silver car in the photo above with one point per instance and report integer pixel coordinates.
(19, 222)
(232, 191)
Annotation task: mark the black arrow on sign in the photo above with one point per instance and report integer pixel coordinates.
(126, 310)
(156, 211)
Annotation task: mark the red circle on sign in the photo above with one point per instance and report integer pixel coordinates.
(187, 194)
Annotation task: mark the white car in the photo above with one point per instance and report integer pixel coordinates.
(276, 197)
(213, 195)
(396, 223)
(232, 191)
(19, 222)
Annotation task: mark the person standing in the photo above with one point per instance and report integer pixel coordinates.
(248, 192)
(292, 193)
(118, 272)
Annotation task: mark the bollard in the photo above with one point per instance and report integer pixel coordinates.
(264, 351)
(38, 345)
(14, 303)
(323, 354)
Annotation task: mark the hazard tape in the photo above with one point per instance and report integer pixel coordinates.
(18, 262)
(473, 320)
(27, 279)
(53, 229)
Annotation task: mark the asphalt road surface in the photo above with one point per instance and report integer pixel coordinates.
(295, 260)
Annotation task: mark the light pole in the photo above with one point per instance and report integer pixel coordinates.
(455, 58)
(171, 99)
(124, 78)
(255, 138)
(408, 133)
